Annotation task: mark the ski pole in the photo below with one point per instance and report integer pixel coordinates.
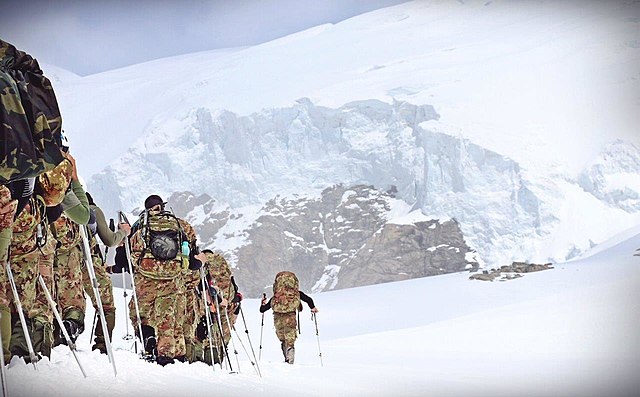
(127, 249)
(235, 351)
(317, 337)
(16, 297)
(255, 361)
(219, 322)
(264, 297)
(127, 335)
(95, 322)
(207, 314)
(96, 293)
(56, 313)
(3, 370)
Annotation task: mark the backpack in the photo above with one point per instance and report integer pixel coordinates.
(286, 293)
(220, 270)
(30, 121)
(163, 235)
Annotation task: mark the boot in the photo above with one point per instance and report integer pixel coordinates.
(207, 356)
(73, 329)
(42, 337)
(100, 344)
(5, 328)
(164, 360)
(197, 352)
(150, 342)
(289, 355)
(18, 343)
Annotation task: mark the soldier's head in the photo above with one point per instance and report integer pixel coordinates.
(54, 183)
(154, 203)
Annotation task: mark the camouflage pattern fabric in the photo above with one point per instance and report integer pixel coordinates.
(181, 311)
(286, 327)
(67, 233)
(28, 261)
(55, 183)
(220, 271)
(157, 301)
(69, 284)
(286, 293)
(26, 268)
(146, 264)
(30, 121)
(8, 207)
(24, 238)
(105, 287)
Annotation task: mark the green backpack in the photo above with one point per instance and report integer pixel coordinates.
(286, 293)
(164, 236)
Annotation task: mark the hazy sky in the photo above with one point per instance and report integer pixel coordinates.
(88, 36)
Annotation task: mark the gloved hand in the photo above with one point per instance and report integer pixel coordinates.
(237, 298)
(201, 329)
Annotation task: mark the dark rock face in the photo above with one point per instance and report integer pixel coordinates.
(513, 271)
(341, 239)
(401, 252)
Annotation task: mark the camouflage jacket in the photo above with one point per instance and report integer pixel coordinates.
(147, 265)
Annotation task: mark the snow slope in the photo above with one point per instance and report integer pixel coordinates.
(563, 332)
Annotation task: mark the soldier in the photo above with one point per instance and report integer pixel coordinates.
(220, 275)
(98, 226)
(32, 254)
(69, 257)
(163, 246)
(285, 303)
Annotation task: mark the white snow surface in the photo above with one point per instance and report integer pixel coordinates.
(569, 331)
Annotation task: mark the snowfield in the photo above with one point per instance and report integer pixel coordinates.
(570, 331)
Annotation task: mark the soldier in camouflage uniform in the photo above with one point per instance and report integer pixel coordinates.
(159, 276)
(69, 258)
(32, 254)
(30, 126)
(285, 303)
(220, 275)
(98, 226)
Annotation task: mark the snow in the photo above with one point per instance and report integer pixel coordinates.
(567, 331)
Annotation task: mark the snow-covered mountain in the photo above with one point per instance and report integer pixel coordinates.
(484, 113)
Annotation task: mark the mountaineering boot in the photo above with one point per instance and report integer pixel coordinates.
(164, 360)
(149, 341)
(100, 344)
(289, 356)
(207, 356)
(73, 329)
(18, 344)
(197, 353)
(41, 337)
(73, 321)
(5, 328)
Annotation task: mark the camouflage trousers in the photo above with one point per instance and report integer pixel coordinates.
(157, 303)
(181, 314)
(7, 212)
(26, 268)
(105, 288)
(69, 284)
(286, 327)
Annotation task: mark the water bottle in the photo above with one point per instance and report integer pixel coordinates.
(185, 248)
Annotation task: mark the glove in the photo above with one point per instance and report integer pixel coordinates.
(237, 298)
(237, 311)
(201, 329)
